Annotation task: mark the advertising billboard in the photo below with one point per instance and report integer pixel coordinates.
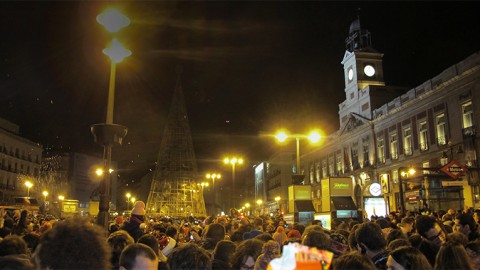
(341, 186)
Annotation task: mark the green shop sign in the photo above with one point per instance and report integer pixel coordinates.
(341, 186)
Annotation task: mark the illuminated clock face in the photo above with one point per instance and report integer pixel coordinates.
(350, 74)
(369, 70)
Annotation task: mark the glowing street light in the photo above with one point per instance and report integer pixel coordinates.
(313, 137)
(277, 199)
(128, 195)
(61, 197)
(233, 161)
(133, 200)
(213, 176)
(45, 194)
(113, 20)
(28, 184)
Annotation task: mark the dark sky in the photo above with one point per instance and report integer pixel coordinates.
(248, 68)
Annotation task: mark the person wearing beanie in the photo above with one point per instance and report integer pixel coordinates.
(138, 217)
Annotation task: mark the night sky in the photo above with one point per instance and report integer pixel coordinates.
(248, 68)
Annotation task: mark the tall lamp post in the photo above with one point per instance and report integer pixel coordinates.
(403, 171)
(233, 161)
(313, 137)
(213, 176)
(108, 134)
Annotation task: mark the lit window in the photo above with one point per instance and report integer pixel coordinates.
(441, 131)
(339, 163)
(393, 146)
(467, 114)
(407, 141)
(381, 149)
(426, 164)
(423, 136)
(324, 169)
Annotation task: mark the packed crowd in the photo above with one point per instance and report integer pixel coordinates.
(444, 240)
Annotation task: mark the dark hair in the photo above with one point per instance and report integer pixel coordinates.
(467, 219)
(397, 243)
(171, 231)
(189, 256)
(215, 231)
(371, 235)
(394, 235)
(264, 237)
(224, 250)
(316, 239)
(424, 223)
(410, 258)
(69, 242)
(151, 241)
(352, 260)
(13, 245)
(457, 238)
(118, 241)
(130, 253)
(236, 236)
(250, 247)
(32, 241)
(452, 256)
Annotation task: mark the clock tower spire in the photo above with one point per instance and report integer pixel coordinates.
(363, 73)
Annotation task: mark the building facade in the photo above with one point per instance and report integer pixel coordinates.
(20, 161)
(387, 131)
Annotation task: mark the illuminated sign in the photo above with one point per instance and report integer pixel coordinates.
(375, 189)
(454, 169)
(341, 186)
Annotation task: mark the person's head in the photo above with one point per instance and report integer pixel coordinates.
(118, 241)
(171, 231)
(258, 223)
(395, 234)
(246, 254)
(430, 230)
(190, 256)
(280, 229)
(69, 242)
(215, 231)
(352, 260)
(407, 258)
(407, 224)
(264, 237)
(451, 256)
(465, 224)
(316, 239)
(397, 243)
(369, 236)
(224, 250)
(457, 238)
(151, 241)
(138, 257)
(13, 245)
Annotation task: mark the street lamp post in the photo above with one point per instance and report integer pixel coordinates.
(233, 161)
(403, 171)
(314, 137)
(213, 176)
(109, 134)
(29, 185)
(259, 203)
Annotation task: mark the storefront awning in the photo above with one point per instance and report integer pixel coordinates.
(343, 203)
(304, 206)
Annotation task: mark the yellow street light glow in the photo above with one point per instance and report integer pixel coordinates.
(113, 20)
(133, 199)
(28, 184)
(99, 172)
(116, 51)
(128, 195)
(277, 198)
(314, 136)
(226, 160)
(412, 171)
(281, 136)
(259, 202)
(45, 193)
(61, 197)
(247, 205)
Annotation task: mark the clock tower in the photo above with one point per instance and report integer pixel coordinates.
(363, 73)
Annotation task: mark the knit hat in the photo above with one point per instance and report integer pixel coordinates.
(139, 208)
(294, 234)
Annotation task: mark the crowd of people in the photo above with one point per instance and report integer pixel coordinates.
(444, 240)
